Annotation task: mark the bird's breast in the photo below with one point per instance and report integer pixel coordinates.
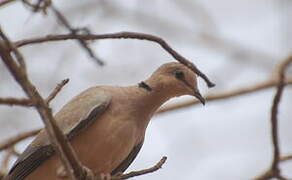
(108, 143)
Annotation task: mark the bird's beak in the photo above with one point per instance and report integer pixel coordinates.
(198, 95)
(196, 92)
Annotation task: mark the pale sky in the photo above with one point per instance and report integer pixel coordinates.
(235, 42)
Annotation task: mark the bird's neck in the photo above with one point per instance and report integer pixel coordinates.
(148, 97)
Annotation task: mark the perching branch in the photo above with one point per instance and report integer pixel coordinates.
(120, 35)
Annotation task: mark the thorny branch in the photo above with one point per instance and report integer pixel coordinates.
(274, 171)
(120, 35)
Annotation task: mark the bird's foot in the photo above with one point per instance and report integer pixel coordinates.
(105, 176)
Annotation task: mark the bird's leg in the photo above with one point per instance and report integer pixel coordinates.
(105, 176)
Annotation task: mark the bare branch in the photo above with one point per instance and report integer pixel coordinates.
(11, 141)
(27, 102)
(141, 172)
(120, 35)
(12, 47)
(274, 119)
(41, 5)
(5, 2)
(224, 95)
(57, 138)
(285, 158)
(56, 90)
(75, 31)
(15, 101)
(274, 170)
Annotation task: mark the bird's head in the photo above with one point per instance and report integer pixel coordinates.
(176, 79)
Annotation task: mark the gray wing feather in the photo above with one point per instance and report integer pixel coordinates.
(74, 117)
(33, 158)
(128, 161)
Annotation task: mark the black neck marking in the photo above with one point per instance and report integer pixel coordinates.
(145, 86)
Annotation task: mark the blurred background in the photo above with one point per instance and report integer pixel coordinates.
(237, 43)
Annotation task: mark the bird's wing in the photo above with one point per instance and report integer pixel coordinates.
(128, 161)
(74, 117)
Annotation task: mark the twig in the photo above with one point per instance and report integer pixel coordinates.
(56, 90)
(223, 95)
(11, 141)
(57, 138)
(141, 172)
(17, 54)
(120, 35)
(41, 5)
(274, 119)
(285, 158)
(75, 31)
(5, 2)
(15, 101)
(27, 102)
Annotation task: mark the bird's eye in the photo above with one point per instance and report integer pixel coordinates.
(179, 75)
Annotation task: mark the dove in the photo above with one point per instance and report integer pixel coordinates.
(106, 125)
